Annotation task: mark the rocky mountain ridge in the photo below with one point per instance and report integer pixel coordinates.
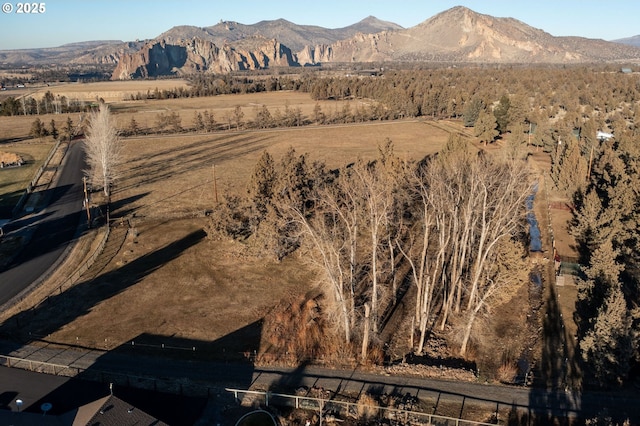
(631, 41)
(99, 52)
(296, 37)
(456, 35)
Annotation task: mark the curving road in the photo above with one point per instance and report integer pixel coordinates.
(51, 230)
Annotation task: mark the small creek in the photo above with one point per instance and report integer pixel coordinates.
(534, 230)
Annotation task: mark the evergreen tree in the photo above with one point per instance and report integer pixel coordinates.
(569, 168)
(607, 348)
(501, 113)
(238, 116)
(38, 129)
(198, 121)
(209, 121)
(68, 130)
(471, 111)
(262, 182)
(485, 128)
(133, 129)
(53, 130)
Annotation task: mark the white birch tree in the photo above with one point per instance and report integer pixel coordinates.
(103, 149)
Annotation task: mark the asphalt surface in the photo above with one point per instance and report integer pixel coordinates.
(50, 230)
(213, 377)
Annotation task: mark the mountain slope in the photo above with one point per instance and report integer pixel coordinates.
(462, 35)
(294, 36)
(455, 35)
(90, 52)
(631, 41)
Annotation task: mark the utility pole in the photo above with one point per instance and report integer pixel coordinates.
(590, 162)
(86, 201)
(215, 183)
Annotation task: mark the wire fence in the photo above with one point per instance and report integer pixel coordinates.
(325, 407)
(331, 408)
(75, 276)
(176, 386)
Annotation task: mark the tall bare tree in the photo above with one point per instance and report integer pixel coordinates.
(103, 149)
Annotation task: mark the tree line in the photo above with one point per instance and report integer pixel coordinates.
(606, 225)
(451, 227)
(48, 104)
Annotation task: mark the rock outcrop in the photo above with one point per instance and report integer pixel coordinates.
(158, 58)
(456, 35)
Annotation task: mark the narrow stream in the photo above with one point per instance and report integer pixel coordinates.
(527, 359)
(534, 230)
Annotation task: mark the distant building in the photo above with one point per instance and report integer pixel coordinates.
(603, 136)
(626, 70)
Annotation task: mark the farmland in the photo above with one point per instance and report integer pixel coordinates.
(160, 280)
(163, 192)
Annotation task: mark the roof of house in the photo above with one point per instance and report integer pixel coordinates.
(107, 411)
(112, 411)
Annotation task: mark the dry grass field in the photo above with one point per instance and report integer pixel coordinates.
(173, 175)
(110, 91)
(169, 283)
(13, 181)
(164, 281)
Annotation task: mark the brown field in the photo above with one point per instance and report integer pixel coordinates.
(13, 181)
(168, 280)
(220, 291)
(164, 282)
(17, 128)
(173, 175)
(110, 91)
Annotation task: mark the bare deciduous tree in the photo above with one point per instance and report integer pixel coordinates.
(103, 149)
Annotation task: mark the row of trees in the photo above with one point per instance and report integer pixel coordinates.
(453, 224)
(40, 129)
(48, 104)
(606, 226)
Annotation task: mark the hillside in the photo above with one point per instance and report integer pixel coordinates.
(294, 36)
(462, 35)
(457, 35)
(631, 41)
(98, 52)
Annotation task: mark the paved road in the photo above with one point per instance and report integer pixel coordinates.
(216, 375)
(51, 230)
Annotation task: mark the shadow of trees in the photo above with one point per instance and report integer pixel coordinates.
(557, 392)
(61, 309)
(202, 153)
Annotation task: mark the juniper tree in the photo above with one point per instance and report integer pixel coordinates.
(68, 130)
(607, 347)
(485, 127)
(472, 111)
(53, 130)
(261, 185)
(501, 113)
(209, 121)
(198, 121)
(38, 129)
(134, 128)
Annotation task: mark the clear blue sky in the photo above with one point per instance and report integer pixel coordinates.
(67, 21)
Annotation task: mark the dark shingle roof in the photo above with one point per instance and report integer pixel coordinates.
(116, 412)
